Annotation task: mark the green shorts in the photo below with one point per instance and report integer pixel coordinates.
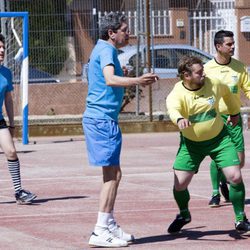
(220, 149)
(236, 134)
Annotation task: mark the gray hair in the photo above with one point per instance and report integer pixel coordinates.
(112, 21)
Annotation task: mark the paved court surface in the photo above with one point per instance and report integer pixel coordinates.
(64, 213)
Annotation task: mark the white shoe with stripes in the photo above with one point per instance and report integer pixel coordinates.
(119, 233)
(106, 239)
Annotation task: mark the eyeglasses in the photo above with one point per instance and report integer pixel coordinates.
(125, 30)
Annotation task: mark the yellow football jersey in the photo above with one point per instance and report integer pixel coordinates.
(200, 107)
(234, 75)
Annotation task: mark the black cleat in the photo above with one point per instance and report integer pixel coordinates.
(24, 197)
(178, 223)
(242, 226)
(215, 201)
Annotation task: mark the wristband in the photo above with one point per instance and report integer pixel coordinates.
(179, 119)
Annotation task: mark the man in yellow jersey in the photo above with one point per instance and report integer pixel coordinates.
(232, 73)
(193, 106)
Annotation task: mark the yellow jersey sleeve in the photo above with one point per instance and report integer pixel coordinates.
(234, 75)
(245, 83)
(174, 105)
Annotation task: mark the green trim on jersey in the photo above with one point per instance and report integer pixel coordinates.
(202, 117)
(234, 89)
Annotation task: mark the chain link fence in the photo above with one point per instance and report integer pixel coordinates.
(62, 34)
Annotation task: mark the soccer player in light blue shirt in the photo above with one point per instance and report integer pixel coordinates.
(103, 138)
(7, 132)
(103, 101)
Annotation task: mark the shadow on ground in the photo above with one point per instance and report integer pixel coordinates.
(38, 201)
(193, 234)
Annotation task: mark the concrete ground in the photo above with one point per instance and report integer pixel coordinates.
(64, 213)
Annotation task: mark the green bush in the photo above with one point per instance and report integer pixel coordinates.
(47, 37)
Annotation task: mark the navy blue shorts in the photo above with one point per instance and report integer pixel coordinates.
(103, 140)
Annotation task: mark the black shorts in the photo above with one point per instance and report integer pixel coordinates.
(3, 124)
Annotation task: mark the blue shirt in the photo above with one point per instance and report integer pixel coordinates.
(5, 86)
(103, 101)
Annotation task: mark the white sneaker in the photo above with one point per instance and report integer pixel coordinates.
(119, 233)
(106, 239)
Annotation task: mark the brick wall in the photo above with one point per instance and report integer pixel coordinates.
(55, 98)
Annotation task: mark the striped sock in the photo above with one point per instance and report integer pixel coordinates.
(14, 168)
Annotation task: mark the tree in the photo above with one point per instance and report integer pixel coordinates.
(47, 43)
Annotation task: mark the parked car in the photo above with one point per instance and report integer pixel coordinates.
(39, 76)
(35, 75)
(165, 57)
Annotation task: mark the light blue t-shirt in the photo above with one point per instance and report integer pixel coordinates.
(103, 101)
(5, 86)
